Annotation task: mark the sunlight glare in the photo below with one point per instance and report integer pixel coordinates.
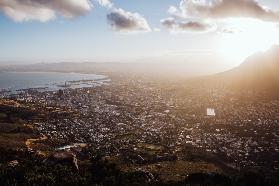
(248, 37)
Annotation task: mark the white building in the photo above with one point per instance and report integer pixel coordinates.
(210, 112)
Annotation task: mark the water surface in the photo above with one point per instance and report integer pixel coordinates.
(15, 81)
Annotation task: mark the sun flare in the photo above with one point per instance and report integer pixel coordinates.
(245, 38)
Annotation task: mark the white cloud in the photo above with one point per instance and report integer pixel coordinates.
(172, 10)
(192, 14)
(105, 3)
(221, 9)
(43, 10)
(123, 21)
(178, 26)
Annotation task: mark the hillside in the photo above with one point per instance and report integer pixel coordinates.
(258, 73)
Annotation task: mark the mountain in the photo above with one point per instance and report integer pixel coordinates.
(259, 73)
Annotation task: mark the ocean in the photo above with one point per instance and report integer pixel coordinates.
(14, 82)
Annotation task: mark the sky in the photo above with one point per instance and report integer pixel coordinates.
(223, 32)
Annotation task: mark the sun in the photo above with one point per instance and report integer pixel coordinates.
(246, 37)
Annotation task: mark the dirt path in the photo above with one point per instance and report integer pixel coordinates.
(29, 142)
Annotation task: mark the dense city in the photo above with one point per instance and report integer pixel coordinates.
(153, 126)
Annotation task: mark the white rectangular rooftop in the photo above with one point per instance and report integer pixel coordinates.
(210, 112)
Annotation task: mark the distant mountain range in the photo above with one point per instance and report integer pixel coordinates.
(151, 69)
(259, 72)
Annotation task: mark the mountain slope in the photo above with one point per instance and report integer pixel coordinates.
(259, 72)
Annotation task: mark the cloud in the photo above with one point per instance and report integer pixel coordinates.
(230, 31)
(123, 21)
(172, 10)
(215, 12)
(177, 26)
(105, 3)
(194, 26)
(220, 9)
(43, 10)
